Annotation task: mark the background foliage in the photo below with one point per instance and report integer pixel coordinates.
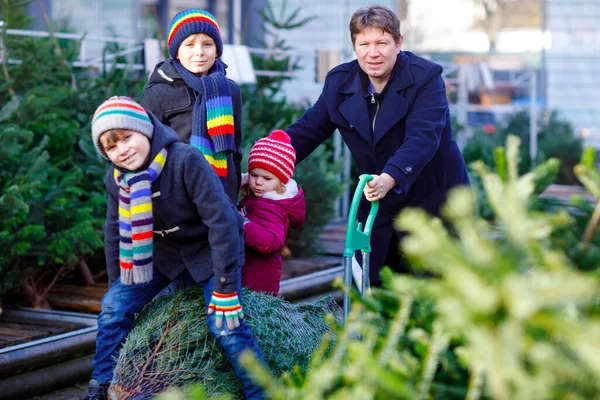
(555, 140)
(52, 204)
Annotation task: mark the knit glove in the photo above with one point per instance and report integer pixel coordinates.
(226, 305)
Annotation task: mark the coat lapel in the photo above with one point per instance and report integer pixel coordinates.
(354, 109)
(394, 106)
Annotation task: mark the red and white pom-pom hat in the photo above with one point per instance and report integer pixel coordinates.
(274, 154)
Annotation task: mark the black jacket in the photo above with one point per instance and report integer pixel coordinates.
(171, 100)
(195, 227)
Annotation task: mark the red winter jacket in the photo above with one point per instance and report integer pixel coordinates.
(264, 236)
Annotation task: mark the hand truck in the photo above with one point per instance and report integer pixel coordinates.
(358, 239)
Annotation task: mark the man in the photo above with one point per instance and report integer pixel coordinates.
(391, 109)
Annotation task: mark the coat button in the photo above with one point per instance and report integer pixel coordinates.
(351, 126)
(222, 279)
(408, 169)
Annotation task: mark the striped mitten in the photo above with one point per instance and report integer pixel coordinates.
(226, 305)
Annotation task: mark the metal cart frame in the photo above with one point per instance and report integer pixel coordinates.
(358, 238)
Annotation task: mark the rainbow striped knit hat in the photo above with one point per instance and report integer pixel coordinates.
(120, 112)
(189, 22)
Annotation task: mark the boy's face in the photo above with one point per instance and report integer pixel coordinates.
(197, 53)
(126, 149)
(261, 182)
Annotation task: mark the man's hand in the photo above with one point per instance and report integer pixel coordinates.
(226, 305)
(377, 188)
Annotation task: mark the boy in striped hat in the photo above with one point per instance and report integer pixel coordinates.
(273, 204)
(167, 218)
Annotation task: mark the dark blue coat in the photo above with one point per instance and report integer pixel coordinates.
(412, 140)
(196, 227)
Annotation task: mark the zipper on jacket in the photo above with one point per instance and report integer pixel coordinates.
(376, 111)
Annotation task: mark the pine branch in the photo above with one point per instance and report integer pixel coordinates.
(475, 384)
(439, 343)
(592, 226)
(58, 276)
(88, 277)
(396, 329)
(154, 353)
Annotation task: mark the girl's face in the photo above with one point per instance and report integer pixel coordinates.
(197, 53)
(261, 182)
(126, 149)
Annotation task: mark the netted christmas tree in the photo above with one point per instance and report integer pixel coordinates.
(171, 346)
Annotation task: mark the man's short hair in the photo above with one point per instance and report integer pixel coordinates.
(379, 17)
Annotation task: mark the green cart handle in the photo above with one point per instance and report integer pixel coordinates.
(356, 237)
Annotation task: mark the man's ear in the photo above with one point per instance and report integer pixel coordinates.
(399, 44)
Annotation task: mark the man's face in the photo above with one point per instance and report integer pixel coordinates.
(126, 149)
(376, 52)
(197, 53)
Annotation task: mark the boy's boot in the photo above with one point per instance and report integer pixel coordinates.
(96, 391)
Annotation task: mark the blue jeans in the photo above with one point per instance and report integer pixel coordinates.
(122, 302)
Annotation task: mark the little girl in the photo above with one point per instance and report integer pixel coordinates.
(273, 203)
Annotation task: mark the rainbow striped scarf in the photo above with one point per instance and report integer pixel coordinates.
(212, 123)
(135, 221)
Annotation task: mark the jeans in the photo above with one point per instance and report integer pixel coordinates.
(122, 302)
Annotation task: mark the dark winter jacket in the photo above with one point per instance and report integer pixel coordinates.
(171, 100)
(264, 236)
(195, 226)
(412, 140)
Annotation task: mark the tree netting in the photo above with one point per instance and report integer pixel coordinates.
(171, 346)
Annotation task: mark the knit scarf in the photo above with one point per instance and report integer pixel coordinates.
(212, 122)
(135, 221)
